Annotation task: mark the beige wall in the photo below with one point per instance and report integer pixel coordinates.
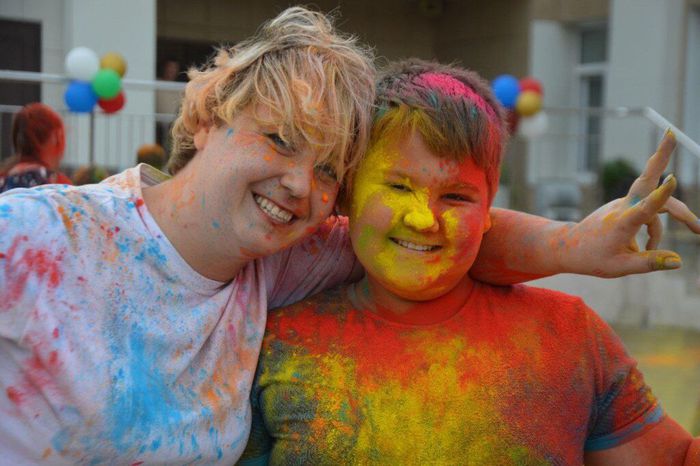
(490, 36)
(571, 10)
(397, 28)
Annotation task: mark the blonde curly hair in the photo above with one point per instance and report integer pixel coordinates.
(319, 83)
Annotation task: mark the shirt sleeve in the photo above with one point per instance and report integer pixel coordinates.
(322, 261)
(30, 256)
(624, 407)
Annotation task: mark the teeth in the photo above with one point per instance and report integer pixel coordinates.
(414, 246)
(273, 210)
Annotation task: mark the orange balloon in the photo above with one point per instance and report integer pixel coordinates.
(528, 103)
(114, 61)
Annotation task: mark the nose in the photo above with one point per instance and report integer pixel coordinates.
(421, 218)
(298, 179)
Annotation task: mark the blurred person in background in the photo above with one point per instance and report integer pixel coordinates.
(89, 174)
(39, 142)
(153, 155)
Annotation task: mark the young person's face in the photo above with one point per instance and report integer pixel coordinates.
(416, 220)
(263, 194)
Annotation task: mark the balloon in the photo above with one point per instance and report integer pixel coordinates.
(114, 61)
(528, 103)
(112, 105)
(106, 84)
(534, 126)
(82, 64)
(506, 89)
(531, 84)
(79, 97)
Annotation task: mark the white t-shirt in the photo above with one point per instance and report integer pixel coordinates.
(113, 350)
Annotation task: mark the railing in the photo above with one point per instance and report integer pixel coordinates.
(110, 141)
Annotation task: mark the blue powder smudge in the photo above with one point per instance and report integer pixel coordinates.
(229, 132)
(152, 249)
(635, 200)
(142, 400)
(216, 224)
(155, 444)
(60, 440)
(5, 211)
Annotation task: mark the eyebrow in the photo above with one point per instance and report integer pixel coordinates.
(459, 185)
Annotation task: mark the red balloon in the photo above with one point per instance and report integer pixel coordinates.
(112, 105)
(531, 84)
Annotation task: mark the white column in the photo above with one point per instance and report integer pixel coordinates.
(129, 28)
(645, 54)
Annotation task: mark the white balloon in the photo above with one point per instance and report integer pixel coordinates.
(534, 126)
(82, 63)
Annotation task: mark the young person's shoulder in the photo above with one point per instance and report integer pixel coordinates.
(324, 307)
(55, 216)
(543, 305)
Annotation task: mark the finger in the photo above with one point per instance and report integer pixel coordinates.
(655, 231)
(679, 211)
(654, 168)
(642, 212)
(647, 261)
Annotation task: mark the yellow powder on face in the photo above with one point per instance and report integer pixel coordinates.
(420, 218)
(412, 208)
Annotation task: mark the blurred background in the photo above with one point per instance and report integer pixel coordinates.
(606, 68)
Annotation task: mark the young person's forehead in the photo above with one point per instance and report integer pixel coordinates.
(408, 156)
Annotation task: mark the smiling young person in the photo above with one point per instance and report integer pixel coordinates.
(418, 363)
(132, 312)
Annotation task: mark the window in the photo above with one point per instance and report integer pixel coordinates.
(590, 74)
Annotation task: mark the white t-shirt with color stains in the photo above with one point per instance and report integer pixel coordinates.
(112, 348)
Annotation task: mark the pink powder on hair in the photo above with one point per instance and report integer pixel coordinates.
(452, 87)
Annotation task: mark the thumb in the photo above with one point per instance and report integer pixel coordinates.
(646, 261)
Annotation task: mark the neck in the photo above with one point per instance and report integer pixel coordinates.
(175, 206)
(370, 295)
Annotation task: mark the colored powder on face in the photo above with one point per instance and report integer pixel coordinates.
(408, 210)
(419, 219)
(324, 198)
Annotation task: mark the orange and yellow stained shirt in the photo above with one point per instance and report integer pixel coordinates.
(518, 375)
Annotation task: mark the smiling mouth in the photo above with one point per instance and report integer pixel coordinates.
(272, 210)
(414, 246)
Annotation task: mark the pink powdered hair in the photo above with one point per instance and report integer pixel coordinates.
(453, 88)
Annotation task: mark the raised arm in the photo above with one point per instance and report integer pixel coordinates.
(521, 247)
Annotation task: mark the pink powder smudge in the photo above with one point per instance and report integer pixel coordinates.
(452, 87)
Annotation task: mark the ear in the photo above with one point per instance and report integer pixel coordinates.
(200, 137)
(487, 220)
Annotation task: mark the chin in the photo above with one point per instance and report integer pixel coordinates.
(419, 292)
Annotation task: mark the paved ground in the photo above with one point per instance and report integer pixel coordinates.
(669, 357)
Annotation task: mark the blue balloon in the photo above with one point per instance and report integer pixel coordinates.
(506, 88)
(80, 97)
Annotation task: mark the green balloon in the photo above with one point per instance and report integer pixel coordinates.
(106, 84)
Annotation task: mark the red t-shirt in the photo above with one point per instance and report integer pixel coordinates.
(518, 376)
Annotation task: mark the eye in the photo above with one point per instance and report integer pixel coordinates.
(458, 197)
(399, 187)
(326, 173)
(280, 143)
